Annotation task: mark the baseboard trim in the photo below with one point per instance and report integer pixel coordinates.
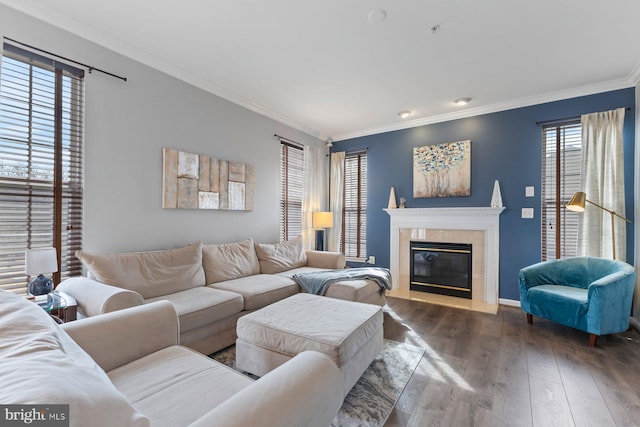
(509, 302)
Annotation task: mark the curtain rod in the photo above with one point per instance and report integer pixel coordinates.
(290, 141)
(564, 119)
(89, 67)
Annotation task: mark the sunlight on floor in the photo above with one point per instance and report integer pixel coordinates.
(438, 369)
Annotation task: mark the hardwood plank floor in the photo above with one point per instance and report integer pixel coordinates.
(496, 370)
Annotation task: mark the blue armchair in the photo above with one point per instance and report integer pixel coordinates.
(590, 294)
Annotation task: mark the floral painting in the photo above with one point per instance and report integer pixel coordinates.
(442, 170)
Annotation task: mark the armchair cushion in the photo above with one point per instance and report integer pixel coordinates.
(40, 363)
(175, 386)
(586, 293)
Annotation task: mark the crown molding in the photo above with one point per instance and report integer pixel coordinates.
(634, 76)
(118, 46)
(494, 108)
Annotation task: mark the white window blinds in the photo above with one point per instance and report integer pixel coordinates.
(353, 242)
(291, 190)
(41, 163)
(561, 159)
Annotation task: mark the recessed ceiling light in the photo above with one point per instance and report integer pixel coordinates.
(377, 15)
(404, 114)
(462, 101)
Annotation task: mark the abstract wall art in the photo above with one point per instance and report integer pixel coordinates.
(193, 181)
(442, 170)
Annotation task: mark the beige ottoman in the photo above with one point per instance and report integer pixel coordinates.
(348, 332)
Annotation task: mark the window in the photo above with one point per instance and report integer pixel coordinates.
(353, 241)
(41, 114)
(561, 159)
(291, 189)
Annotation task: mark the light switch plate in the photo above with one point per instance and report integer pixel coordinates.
(527, 213)
(529, 191)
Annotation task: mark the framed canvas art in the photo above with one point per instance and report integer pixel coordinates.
(193, 181)
(442, 170)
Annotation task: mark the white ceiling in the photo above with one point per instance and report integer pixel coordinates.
(323, 68)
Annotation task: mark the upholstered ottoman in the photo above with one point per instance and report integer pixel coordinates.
(348, 332)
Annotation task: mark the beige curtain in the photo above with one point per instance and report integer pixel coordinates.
(602, 179)
(313, 191)
(336, 195)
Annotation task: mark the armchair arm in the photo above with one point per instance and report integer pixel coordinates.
(609, 303)
(95, 298)
(115, 339)
(322, 259)
(306, 391)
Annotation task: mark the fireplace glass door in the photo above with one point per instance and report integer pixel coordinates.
(441, 268)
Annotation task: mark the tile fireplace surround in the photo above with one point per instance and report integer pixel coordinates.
(478, 226)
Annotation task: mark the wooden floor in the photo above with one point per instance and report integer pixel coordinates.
(495, 370)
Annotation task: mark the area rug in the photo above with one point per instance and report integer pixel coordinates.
(371, 400)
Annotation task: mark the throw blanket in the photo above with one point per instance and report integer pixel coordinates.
(317, 282)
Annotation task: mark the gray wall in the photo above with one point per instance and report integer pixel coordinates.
(128, 124)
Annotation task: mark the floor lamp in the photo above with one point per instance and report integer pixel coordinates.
(320, 221)
(577, 203)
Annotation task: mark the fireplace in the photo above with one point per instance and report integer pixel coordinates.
(441, 268)
(479, 226)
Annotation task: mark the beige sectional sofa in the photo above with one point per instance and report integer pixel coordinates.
(210, 286)
(126, 368)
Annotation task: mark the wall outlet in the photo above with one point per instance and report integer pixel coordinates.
(527, 213)
(371, 259)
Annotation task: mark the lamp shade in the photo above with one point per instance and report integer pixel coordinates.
(40, 261)
(576, 203)
(322, 219)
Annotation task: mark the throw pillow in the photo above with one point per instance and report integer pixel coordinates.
(279, 257)
(151, 274)
(229, 261)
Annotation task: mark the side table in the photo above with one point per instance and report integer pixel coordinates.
(61, 306)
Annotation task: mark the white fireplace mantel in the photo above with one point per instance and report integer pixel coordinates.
(485, 219)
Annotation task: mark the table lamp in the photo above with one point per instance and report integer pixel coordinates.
(320, 221)
(40, 262)
(577, 203)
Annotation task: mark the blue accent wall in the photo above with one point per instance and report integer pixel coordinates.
(506, 146)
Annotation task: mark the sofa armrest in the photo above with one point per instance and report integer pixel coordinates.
(306, 391)
(117, 338)
(95, 298)
(322, 259)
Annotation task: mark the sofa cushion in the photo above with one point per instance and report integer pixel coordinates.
(278, 257)
(42, 364)
(151, 274)
(260, 290)
(202, 306)
(229, 261)
(176, 386)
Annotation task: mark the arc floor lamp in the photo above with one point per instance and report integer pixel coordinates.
(577, 203)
